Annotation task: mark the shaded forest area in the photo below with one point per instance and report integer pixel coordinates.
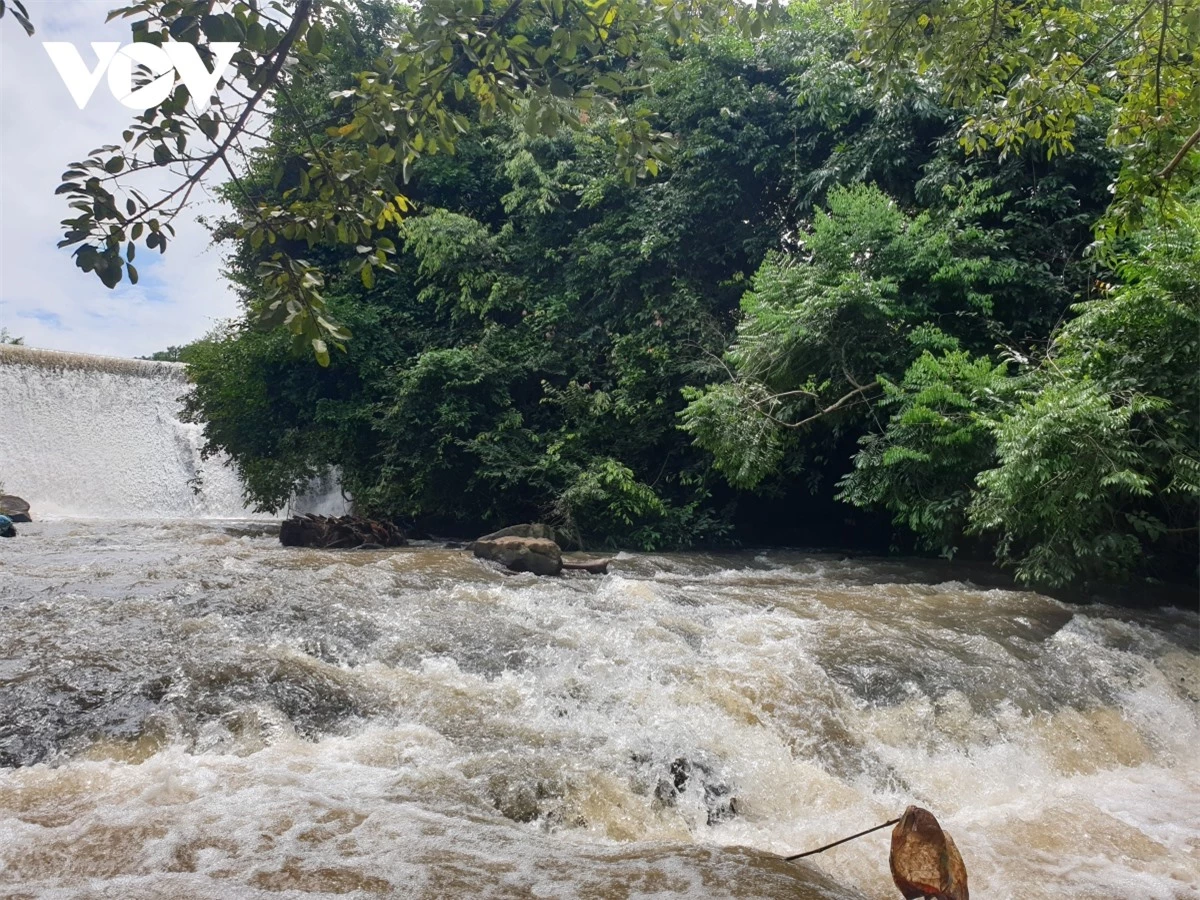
(821, 321)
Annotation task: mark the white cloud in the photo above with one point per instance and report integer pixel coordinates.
(43, 296)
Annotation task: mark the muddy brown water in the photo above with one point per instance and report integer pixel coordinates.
(190, 710)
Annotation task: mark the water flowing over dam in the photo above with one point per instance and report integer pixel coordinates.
(90, 436)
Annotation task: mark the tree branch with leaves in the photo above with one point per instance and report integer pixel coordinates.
(1029, 74)
(553, 63)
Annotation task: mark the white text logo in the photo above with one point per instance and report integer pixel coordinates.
(162, 64)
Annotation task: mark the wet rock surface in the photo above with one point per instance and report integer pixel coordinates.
(924, 860)
(339, 533)
(593, 565)
(14, 508)
(521, 554)
(532, 548)
(534, 530)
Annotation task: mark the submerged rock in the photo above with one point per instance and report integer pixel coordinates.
(339, 533)
(684, 774)
(14, 508)
(6, 527)
(591, 564)
(521, 554)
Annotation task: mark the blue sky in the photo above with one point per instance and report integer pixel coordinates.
(43, 296)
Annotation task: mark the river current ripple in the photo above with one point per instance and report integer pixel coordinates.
(190, 710)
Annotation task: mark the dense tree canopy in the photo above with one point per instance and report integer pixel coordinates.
(527, 356)
(1081, 462)
(664, 290)
(1034, 403)
(1036, 73)
(433, 67)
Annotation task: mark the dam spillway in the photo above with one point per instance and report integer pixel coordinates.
(97, 436)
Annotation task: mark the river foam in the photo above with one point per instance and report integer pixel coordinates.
(189, 709)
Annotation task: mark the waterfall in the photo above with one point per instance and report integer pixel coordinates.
(84, 435)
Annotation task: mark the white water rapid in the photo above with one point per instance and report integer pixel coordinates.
(95, 436)
(190, 710)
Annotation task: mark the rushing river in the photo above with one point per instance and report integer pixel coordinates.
(189, 710)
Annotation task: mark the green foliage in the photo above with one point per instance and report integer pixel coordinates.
(6, 337)
(526, 358)
(813, 335)
(931, 330)
(425, 74)
(171, 354)
(1068, 461)
(828, 324)
(249, 397)
(542, 337)
(725, 419)
(1078, 465)
(1097, 466)
(605, 498)
(921, 466)
(19, 13)
(456, 255)
(1033, 73)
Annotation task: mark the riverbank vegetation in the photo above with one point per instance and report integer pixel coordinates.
(862, 274)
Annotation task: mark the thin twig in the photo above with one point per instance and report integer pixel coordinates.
(1162, 40)
(840, 403)
(842, 841)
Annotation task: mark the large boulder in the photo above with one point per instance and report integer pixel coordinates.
(14, 508)
(532, 548)
(339, 533)
(538, 555)
(536, 530)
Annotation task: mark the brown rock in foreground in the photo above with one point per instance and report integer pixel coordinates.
(540, 556)
(925, 862)
(339, 533)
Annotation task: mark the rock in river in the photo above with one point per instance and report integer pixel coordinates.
(924, 860)
(594, 565)
(339, 533)
(531, 548)
(535, 530)
(540, 556)
(14, 508)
